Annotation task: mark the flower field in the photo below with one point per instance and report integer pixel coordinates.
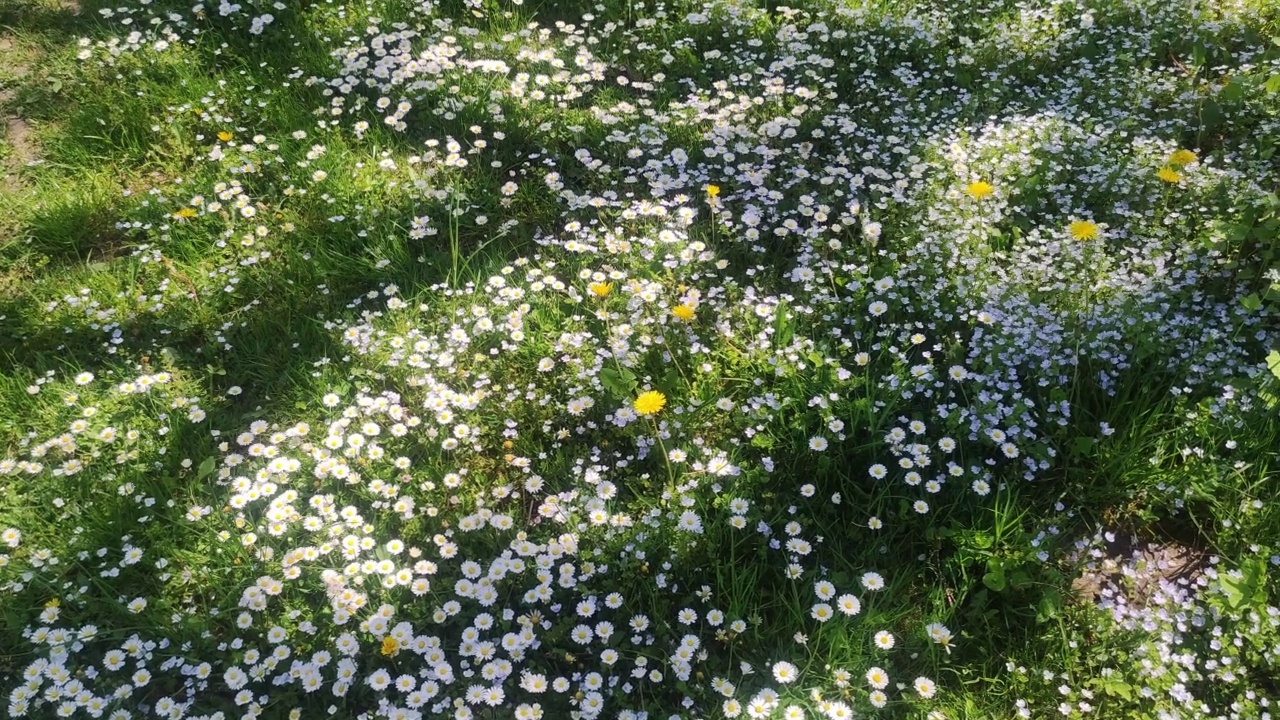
(485, 359)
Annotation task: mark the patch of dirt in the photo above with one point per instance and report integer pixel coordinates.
(18, 136)
(22, 150)
(1137, 567)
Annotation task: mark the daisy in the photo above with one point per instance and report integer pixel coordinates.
(925, 687)
(849, 604)
(884, 640)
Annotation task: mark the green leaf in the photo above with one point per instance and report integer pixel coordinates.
(1248, 588)
(1273, 362)
(1019, 579)
(670, 382)
(1211, 115)
(1083, 445)
(1234, 90)
(783, 330)
(206, 468)
(1049, 607)
(1252, 302)
(995, 578)
(1273, 84)
(983, 541)
(1117, 688)
(620, 382)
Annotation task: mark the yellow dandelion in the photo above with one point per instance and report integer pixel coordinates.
(390, 646)
(185, 213)
(684, 312)
(1083, 229)
(224, 136)
(713, 191)
(1182, 157)
(650, 403)
(600, 289)
(53, 603)
(979, 190)
(1169, 175)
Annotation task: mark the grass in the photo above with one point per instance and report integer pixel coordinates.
(321, 340)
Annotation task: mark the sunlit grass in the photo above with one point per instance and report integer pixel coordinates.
(725, 360)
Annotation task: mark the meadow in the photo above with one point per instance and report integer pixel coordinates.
(691, 359)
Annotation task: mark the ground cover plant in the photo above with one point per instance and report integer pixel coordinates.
(491, 359)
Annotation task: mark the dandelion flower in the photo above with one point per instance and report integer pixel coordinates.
(224, 136)
(600, 289)
(1182, 157)
(1083, 229)
(1169, 175)
(683, 312)
(390, 646)
(979, 190)
(650, 403)
(713, 191)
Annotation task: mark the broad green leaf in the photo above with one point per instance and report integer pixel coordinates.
(1247, 588)
(620, 382)
(1049, 607)
(995, 578)
(1211, 115)
(1116, 688)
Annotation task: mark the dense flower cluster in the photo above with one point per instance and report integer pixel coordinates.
(819, 284)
